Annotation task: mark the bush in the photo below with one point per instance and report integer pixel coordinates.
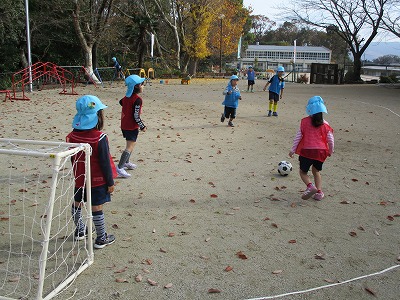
(388, 79)
(302, 79)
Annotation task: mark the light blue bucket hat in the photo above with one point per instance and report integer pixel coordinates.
(131, 81)
(316, 105)
(87, 107)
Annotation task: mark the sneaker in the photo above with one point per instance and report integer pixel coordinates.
(231, 124)
(101, 243)
(269, 113)
(130, 166)
(252, 91)
(310, 191)
(222, 118)
(275, 114)
(122, 173)
(319, 195)
(79, 236)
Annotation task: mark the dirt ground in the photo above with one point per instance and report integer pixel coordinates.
(206, 212)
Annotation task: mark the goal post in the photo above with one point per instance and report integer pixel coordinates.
(39, 256)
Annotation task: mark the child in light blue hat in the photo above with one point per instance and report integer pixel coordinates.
(314, 142)
(88, 123)
(231, 101)
(131, 121)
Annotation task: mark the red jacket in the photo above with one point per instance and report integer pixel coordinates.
(314, 144)
(92, 137)
(131, 110)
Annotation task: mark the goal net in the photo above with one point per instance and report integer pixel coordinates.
(39, 255)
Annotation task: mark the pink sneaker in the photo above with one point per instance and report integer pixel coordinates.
(310, 191)
(130, 166)
(319, 196)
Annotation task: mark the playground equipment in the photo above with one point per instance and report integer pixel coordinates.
(41, 73)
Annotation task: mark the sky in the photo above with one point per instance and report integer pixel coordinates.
(382, 45)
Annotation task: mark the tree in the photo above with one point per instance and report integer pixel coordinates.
(355, 21)
(391, 18)
(260, 26)
(387, 60)
(90, 20)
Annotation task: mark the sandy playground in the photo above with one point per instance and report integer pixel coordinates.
(206, 213)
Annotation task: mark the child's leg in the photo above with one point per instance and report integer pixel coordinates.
(271, 102)
(275, 105)
(126, 154)
(76, 211)
(99, 221)
(317, 178)
(304, 176)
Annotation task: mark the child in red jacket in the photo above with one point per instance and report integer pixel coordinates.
(314, 142)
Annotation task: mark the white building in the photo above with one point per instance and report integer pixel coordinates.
(263, 57)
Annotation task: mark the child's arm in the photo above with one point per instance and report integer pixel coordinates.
(331, 142)
(105, 163)
(266, 85)
(136, 114)
(281, 94)
(296, 142)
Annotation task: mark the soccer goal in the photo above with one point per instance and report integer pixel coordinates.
(39, 256)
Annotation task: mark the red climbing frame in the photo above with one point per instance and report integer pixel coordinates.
(47, 72)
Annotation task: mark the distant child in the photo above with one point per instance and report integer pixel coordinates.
(275, 90)
(251, 77)
(314, 142)
(118, 69)
(131, 122)
(87, 124)
(231, 102)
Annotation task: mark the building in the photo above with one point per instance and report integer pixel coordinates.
(264, 57)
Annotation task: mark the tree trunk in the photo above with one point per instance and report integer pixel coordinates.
(193, 67)
(357, 68)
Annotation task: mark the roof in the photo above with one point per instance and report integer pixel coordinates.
(287, 48)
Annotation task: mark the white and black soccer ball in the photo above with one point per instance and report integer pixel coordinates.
(284, 168)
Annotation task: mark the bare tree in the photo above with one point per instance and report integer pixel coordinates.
(355, 21)
(90, 20)
(391, 18)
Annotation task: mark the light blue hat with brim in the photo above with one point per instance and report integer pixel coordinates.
(131, 81)
(234, 77)
(316, 105)
(87, 107)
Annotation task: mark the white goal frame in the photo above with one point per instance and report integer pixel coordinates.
(55, 151)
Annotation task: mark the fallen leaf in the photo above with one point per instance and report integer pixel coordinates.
(293, 205)
(207, 239)
(146, 271)
(266, 219)
(277, 272)
(4, 219)
(138, 278)
(241, 255)
(236, 208)
(213, 291)
(319, 256)
(120, 280)
(171, 234)
(173, 218)
(330, 280)
(390, 218)
(214, 196)
(361, 228)
(228, 269)
(121, 270)
(274, 225)
(149, 261)
(14, 279)
(344, 202)
(115, 226)
(22, 190)
(370, 291)
(354, 180)
(163, 250)
(152, 282)
(353, 233)
(168, 286)
(192, 201)
(292, 241)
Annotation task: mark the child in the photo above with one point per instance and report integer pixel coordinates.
(231, 102)
(251, 76)
(131, 122)
(314, 142)
(87, 124)
(118, 69)
(275, 90)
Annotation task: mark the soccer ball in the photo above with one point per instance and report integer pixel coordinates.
(284, 168)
